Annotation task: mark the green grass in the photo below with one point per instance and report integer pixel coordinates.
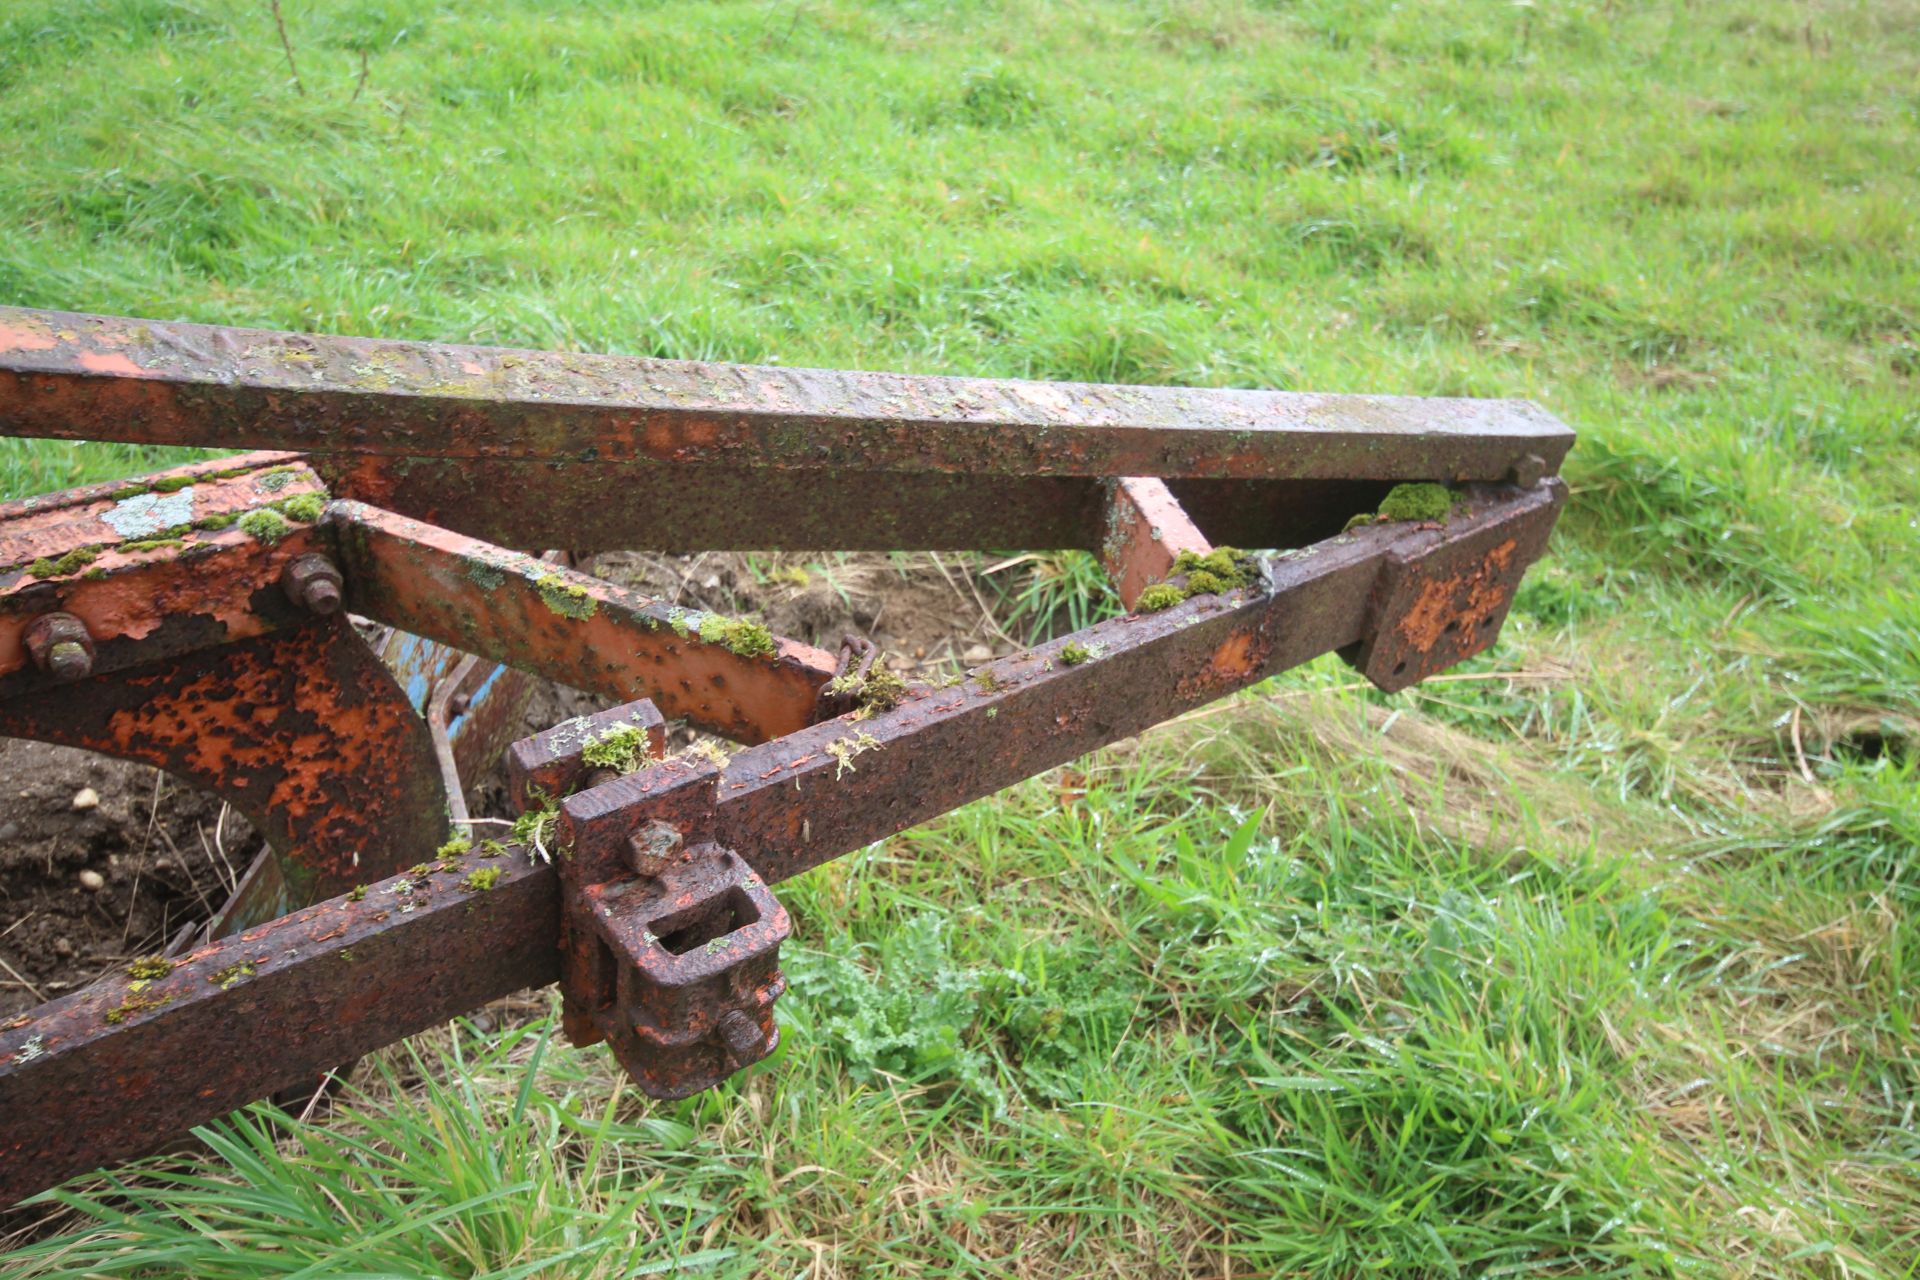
(1606, 967)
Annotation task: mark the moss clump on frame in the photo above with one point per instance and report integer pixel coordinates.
(622, 748)
(737, 636)
(265, 526)
(568, 599)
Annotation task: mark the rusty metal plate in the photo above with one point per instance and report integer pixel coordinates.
(1445, 592)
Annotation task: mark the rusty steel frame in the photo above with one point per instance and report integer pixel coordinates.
(185, 632)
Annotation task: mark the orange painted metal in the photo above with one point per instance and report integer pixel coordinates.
(154, 567)
(1146, 529)
(571, 627)
(304, 731)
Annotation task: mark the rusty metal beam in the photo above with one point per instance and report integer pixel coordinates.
(72, 376)
(113, 1072)
(811, 796)
(574, 628)
(587, 507)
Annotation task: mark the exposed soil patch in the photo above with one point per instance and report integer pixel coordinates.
(924, 611)
(101, 861)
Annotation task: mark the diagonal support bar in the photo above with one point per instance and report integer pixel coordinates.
(571, 627)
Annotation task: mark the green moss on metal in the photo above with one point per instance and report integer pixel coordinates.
(569, 600)
(1161, 595)
(622, 748)
(239, 972)
(72, 562)
(1417, 502)
(304, 507)
(880, 690)
(482, 879)
(1073, 653)
(133, 1005)
(453, 848)
(147, 968)
(266, 526)
(737, 636)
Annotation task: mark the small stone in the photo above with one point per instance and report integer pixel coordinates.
(84, 799)
(977, 653)
(92, 881)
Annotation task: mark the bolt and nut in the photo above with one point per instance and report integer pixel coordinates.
(59, 645)
(742, 1035)
(651, 849)
(313, 583)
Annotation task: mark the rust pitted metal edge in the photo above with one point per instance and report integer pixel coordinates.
(112, 1072)
(73, 376)
(572, 627)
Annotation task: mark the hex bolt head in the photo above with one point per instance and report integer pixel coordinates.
(742, 1036)
(59, 645)
(1528, 470)
(313, 583)
(650, 850)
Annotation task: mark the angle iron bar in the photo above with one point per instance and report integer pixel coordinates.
(575, 628)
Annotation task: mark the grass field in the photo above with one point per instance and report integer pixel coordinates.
(1602, 961)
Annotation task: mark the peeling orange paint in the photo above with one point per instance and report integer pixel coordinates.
(1461, 602)
(98, 362)
(18, 338)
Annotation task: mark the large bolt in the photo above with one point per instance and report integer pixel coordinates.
(313, 583)
(742, 1036)
(1528, 470)
(650, 850)
(59, 645)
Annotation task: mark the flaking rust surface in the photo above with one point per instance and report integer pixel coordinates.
(303, 731)
(204, 582)
(1466, 600)
(580, 630)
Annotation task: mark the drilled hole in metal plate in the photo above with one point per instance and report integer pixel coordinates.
(1399, 668)
(698, 925)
